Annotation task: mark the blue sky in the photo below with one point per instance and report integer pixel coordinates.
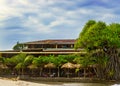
(30, 20)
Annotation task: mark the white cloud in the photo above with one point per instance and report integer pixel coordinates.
(50, 18)
(7, 11)
(37, 25)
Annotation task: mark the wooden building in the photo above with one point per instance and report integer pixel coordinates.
(45, 47)
(51, 44)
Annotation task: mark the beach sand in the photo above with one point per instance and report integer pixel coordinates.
(13, 82)
(8, 82)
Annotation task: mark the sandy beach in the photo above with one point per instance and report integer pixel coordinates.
(7, 82)
(12, 82)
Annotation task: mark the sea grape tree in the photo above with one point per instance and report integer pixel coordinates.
(97, 36)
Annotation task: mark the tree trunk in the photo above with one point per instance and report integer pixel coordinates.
(113, 67)
(95, 70)
(100, 72)
(40, 73)
(58, 71)
(68, 73)
(32, 72)
(100, 69)
(19, 71)
(22, 71)
(84, 72)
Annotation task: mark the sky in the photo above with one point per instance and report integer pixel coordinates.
(33, 20)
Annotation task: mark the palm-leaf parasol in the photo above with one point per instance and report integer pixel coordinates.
(32, 66)
(2, 66)
(50, 65)
(68, 65)
(78, 65)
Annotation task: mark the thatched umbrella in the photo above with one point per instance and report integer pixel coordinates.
(68, 66)
(3, 66)
(78, 66)
(50, 66)
(32, 66)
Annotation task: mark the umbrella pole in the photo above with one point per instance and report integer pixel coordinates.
(49, 70)
(78, 73)
(58, 71)
(68, 73)
(32, 71)
(84, 72)
(39, 71)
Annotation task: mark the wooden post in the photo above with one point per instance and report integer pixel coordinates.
(71, 46)
(56, 46)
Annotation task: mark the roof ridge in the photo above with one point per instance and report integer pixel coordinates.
(52, 40)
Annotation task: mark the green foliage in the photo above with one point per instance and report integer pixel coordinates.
(28, 60)
(103, 38)
(67, 58)
(115, 28)
(19, 61)
(101, 61)
(2, 60)
(111, 73)
(77, 70)
(100, 35)
(19, 65)
(18, 58)
(18, 46)
(60, 60)
(85, 60)
(42, 60)
(88, 25)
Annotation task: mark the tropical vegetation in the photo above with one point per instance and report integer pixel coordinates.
(23, 64)
(102, 41)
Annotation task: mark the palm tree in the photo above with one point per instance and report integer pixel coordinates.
(11, 63)
(28, 62)
(2, 61)
(20, 62)
(59, 61)
(68, 66)
(62, 59)
(32, 67)
(40, 62)
(3, 65)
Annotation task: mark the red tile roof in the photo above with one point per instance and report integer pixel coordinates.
(58, 41)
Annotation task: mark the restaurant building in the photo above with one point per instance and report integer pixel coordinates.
(45, 47)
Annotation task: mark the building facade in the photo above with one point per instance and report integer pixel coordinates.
(45, 47)
(51, 44)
